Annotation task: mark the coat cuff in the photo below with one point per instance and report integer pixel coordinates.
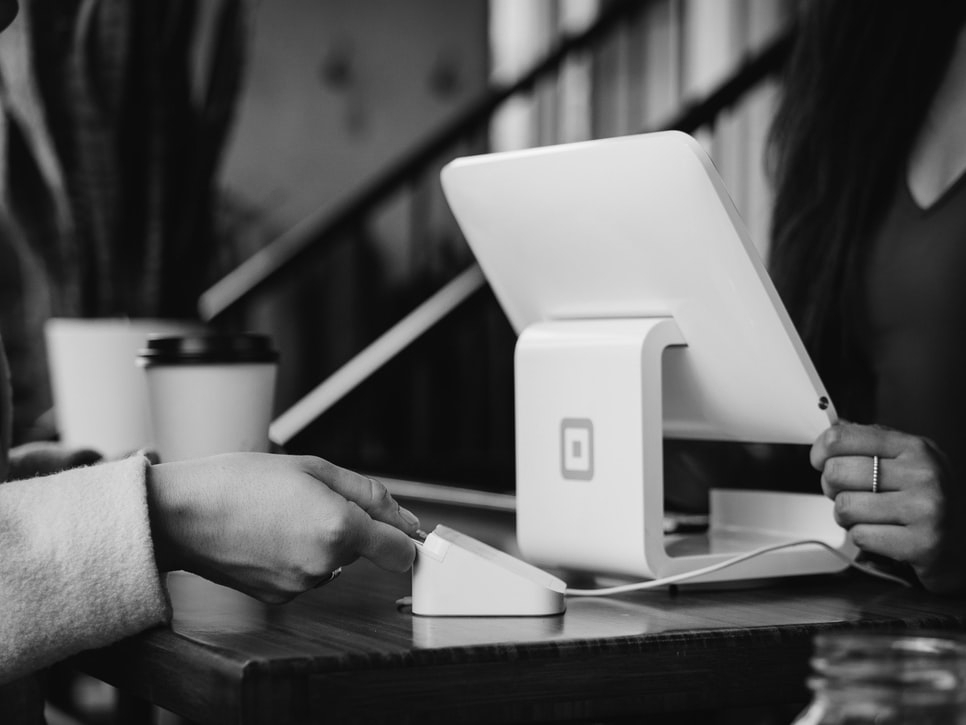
(77, 567)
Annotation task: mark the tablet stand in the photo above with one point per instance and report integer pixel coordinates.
(590, 481)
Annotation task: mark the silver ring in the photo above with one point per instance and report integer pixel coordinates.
(875, 474)
(333, 575)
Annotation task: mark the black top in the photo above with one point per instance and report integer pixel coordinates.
(207, 348)
(914, 336)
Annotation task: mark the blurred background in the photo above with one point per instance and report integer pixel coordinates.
(273, 166)
(316, 130)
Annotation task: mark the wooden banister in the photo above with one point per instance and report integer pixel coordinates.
(314, 234)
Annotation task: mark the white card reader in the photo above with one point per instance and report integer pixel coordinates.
(457, 575)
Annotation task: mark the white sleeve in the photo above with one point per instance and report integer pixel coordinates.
(77, 566)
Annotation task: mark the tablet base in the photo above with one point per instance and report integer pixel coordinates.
(590, 481)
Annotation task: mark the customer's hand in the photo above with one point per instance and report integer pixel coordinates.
(42, 458)
(271, 525)
(918, 515)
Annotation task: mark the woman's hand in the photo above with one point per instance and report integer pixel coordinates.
(272, 525)
(917, 516)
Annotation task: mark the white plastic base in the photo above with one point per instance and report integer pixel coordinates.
(590, 479)
(457, 575)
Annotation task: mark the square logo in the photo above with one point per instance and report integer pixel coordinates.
(577, 449)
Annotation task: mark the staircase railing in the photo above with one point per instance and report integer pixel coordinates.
(313, 235)
(296, 249)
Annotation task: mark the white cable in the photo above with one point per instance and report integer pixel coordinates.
(664, 581)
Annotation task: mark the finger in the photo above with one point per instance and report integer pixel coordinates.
(370, 495)
(853, 439)
(858, 473)
(43, 459)
(84, 457)
(855, 473)
(852, 508)
(381, 543)
(389, 547)
(895, 542)
(850, 473)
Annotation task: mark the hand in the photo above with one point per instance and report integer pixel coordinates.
(42, 458)
(918, 515)
(272, 525)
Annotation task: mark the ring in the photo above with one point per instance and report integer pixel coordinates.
(875, 474)
(334, 575)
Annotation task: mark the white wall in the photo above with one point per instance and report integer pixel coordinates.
(334, 90)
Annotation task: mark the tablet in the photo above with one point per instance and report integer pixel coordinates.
(643, 226)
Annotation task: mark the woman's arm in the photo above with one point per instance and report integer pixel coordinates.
(77, 564)
(81, 551)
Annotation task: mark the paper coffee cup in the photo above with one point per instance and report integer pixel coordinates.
(209, 393)
(99, 395)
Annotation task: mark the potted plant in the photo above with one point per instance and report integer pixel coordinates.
(117, 114)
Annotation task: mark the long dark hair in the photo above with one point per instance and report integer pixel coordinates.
(855, 92)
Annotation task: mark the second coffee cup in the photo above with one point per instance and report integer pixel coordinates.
(209, 393)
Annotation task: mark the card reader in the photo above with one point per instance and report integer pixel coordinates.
(457, 575)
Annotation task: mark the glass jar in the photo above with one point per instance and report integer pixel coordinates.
(887, 678)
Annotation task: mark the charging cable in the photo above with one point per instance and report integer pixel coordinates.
(685, 576)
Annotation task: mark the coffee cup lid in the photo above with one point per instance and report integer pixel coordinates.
(245, 347)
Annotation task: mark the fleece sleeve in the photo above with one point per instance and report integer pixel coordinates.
(77, 566)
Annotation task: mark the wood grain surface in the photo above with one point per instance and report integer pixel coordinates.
(347, 653)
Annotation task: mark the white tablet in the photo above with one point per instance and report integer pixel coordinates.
(642, 226)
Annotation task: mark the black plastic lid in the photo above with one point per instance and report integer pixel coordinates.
(205, 348)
